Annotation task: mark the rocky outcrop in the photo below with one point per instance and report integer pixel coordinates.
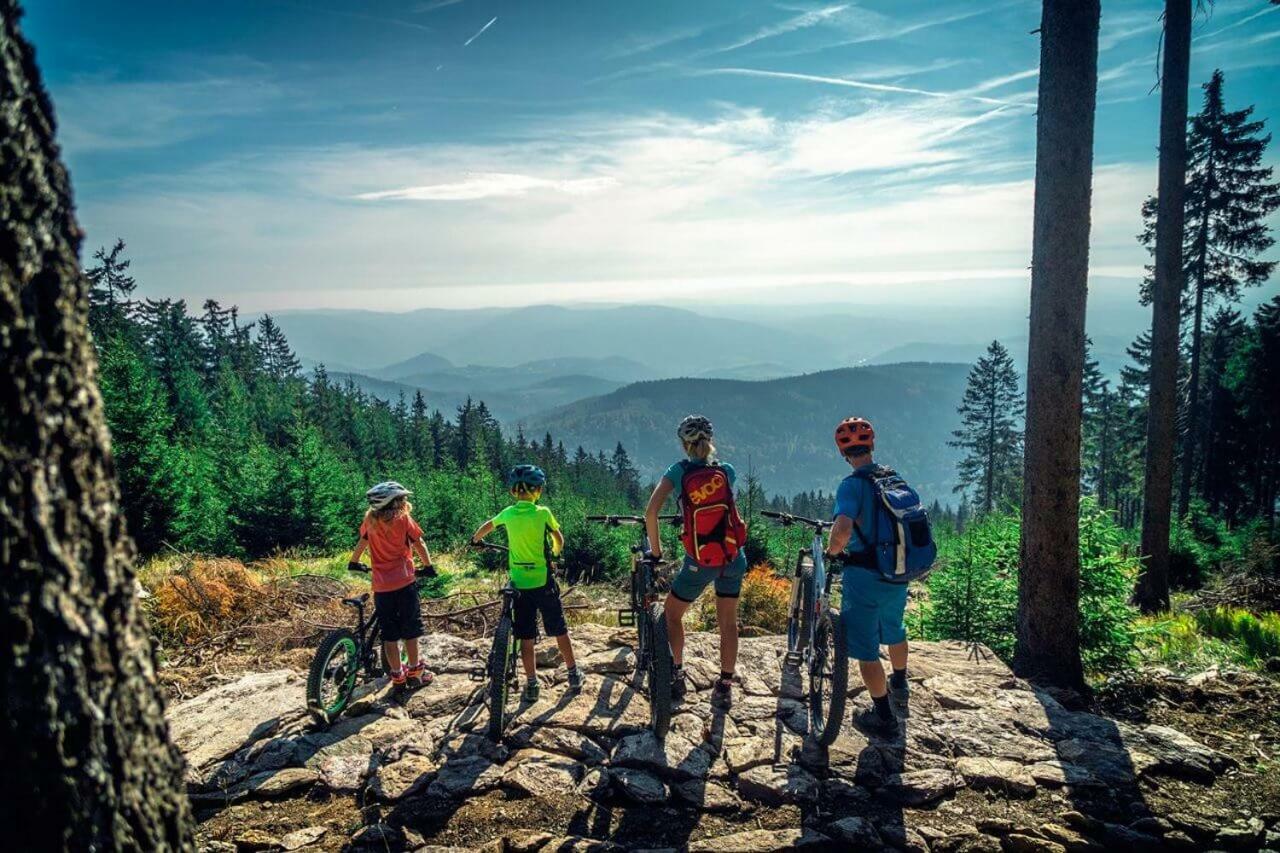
(971, 725)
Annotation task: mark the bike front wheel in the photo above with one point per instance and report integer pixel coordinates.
(828, 678)
(802, 606)
(660, 669)
(332, 676)
(501, 668)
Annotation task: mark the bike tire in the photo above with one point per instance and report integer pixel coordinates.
(499, 691)
(660, 669)
(802, 614)
(341, 641)
(830, 662)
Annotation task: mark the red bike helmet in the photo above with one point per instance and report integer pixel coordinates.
(854, 433)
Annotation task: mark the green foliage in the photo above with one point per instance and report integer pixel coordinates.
(991, 433)
(973, 595)
(1258, 635)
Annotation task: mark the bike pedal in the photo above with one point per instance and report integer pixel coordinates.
(478, 675)
(627, 618)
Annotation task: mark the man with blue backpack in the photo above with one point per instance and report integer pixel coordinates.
(882, 537)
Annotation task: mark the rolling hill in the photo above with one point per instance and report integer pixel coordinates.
(782, 428)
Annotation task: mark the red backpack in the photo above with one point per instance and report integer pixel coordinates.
(713, 532)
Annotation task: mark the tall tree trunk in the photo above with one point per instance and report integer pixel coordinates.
(1190, 437)
(1048, 641)
(88, 764)
(1152, 592)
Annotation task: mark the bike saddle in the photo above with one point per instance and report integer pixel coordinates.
(359, 601)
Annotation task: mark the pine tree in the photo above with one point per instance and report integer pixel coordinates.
(1098, 434)
(990, 432)
(110, 289)
(1229, 195)
(274, 353)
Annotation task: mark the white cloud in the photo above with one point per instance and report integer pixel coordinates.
(489, 185)
(798, 22)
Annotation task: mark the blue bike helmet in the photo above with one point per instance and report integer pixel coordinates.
(529, 476)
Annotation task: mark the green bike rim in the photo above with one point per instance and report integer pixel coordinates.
(345, 648)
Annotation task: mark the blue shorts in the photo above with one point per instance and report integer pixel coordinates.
(871, 610)
(692, 579)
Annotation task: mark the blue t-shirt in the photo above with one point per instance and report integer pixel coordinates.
(675, 474)
(856, 500)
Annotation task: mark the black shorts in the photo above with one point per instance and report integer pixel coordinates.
(399, 614)
(544, 600)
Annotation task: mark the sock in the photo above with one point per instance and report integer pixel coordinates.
(899, 678)
(881, 704)
(573, 670)
(726, 676)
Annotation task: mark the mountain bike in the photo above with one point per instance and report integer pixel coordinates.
(654, 664)
(816, 643)
(343, 655)
(500, 667)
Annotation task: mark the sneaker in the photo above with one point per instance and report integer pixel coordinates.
(722, 693)
(679, 687)
(531, 692)
(398, 678)
(870, 720)
(419, 675)
(575, 680)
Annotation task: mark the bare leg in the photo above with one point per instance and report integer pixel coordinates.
(898, 655)
(411, 650)
(727, 622)
(674, 610)
(527, 658)
(566, 650)
(392, 651)
(873, 677)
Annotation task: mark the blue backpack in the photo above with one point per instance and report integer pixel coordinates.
(902, 544)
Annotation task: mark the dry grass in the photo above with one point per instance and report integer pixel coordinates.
(763, 603)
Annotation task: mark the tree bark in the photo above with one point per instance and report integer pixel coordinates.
(88, 764)
(1048, 641)
(1152, 592)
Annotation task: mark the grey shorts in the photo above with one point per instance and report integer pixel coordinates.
(692, 579)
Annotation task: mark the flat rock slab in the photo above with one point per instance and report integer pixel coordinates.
(544, 775)
(971, 723)
(219, 722)
(673, 757)
(760, 841)
(997, 774)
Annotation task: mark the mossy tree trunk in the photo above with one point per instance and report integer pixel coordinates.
(86, 759)
(1048, 641)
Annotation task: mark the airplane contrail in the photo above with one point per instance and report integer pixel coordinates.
(492, 21)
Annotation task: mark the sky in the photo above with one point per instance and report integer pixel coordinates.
(396, 154)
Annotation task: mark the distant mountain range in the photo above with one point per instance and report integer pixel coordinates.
(665, 341)
(782, 428)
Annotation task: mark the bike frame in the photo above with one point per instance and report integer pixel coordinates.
(801, 648)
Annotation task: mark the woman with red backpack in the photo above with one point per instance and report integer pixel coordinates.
(713, 536)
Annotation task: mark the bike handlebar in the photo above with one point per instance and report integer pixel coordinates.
(786, 519)
(488, 546)
(621, 520)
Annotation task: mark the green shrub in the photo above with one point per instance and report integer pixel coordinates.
(1258, 636)
(973, 595)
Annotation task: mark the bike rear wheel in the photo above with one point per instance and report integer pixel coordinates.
(501, 668)
(660, 669)
(332, 676)
(828, 678)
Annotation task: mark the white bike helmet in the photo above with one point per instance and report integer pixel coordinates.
(384, 493)
(695, 428)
